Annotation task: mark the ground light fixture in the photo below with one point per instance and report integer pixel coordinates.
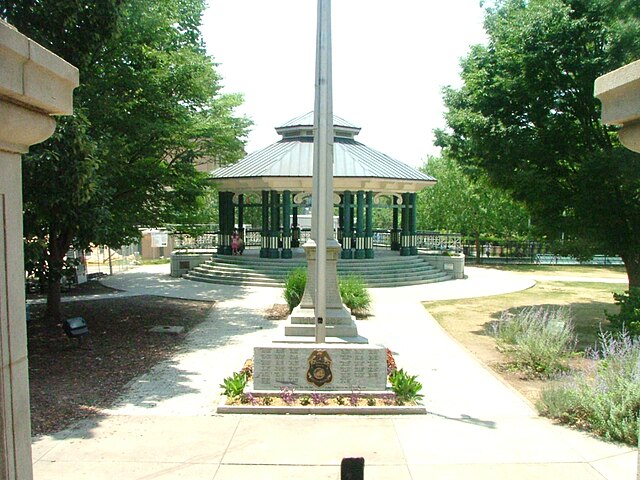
(75, 327)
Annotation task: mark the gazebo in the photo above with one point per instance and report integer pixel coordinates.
(281, 174)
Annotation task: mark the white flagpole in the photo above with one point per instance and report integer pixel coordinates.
(322, 194)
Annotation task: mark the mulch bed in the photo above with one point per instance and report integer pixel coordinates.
(278, 311)
(71, 381)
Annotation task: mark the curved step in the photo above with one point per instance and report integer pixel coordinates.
(379, 272)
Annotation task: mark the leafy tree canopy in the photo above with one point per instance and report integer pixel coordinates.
(148, 107)
(467, 204)
(526, 115)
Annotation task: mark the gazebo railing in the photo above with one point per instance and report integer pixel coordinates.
(184, 241)
(431, 241)
(444, 242)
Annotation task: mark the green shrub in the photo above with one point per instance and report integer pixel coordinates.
(629, 316)
(354, 294)
(406, 387)
(294, 287)
(353, 291)
(539, 339)
(234, 385)
(606, 400)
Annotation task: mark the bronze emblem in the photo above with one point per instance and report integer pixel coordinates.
(319, 371)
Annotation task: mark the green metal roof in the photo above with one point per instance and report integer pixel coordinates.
(293, 157)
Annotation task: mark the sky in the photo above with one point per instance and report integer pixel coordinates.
(390, 63)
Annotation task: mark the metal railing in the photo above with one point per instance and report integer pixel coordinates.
(381, 240)
(183, 241)
(508, 251)
(441, 242)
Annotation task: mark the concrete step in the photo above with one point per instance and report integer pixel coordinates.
(281, 273)
(331, 330)
(232, 281)
(376, 272)
(421, 267)
(245, 278)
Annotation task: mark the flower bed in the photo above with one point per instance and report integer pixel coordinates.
(401, 398)
(277, 406)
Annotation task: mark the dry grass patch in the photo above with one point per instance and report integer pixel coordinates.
(468, 321)
(584, 271)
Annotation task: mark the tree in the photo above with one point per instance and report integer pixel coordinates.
(460, 203)
(46, 172)
(148, 107)
(526, 115)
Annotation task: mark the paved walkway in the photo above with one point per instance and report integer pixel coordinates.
(165, 426)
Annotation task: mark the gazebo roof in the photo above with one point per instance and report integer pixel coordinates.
(288, 164)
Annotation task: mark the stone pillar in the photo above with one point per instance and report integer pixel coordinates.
(241, 214)
(221, 223)
(34, 84)
(295, 229)
(339, 321)
(286, 224)
(360, 232)
(347, 221)
(395, 231)
(274, 232)
(226, 222)
(264, 233)
(405, 234)
(413, 221)
(619, 92)
(368, 245)
(340, 232)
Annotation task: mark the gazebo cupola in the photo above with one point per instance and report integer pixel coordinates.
(301, 128)
(282, 174)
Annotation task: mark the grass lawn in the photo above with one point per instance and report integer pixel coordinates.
(589, 271)
(467, 320)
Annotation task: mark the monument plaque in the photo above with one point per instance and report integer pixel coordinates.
(320, 367)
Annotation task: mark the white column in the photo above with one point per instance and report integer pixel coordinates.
(34, 84)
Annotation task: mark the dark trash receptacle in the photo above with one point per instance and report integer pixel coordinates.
(75, 327)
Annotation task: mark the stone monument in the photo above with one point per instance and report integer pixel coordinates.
(321, 349)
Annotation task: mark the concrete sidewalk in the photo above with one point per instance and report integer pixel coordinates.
(164, 426)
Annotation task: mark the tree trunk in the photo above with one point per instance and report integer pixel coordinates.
(58, 248)
(53, 314)
(632, 265)
(478, 248)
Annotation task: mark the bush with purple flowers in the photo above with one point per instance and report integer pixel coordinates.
(605, 400)
(539, 339)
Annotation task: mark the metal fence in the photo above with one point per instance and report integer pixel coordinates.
(508, 251)
(107, 260)
(529, 252)
(381, 240)
(183, 241)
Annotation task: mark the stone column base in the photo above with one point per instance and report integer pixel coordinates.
(339, 321)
